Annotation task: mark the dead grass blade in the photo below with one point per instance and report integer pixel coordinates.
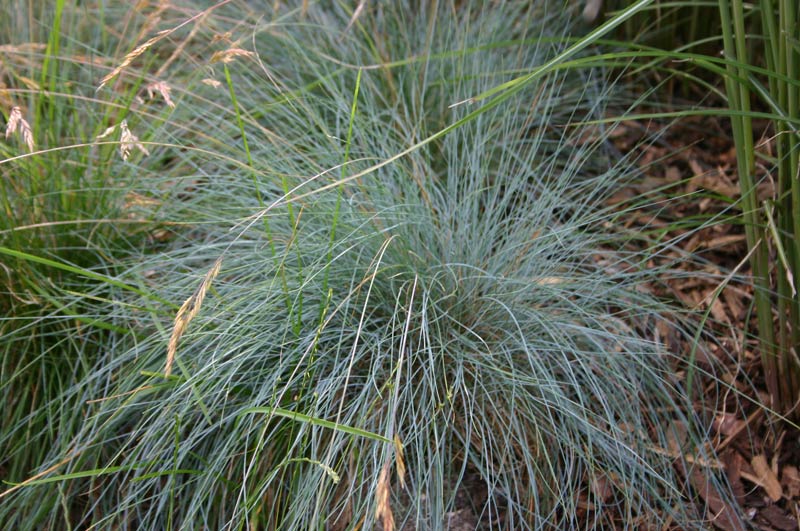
(188, 310)
(356, 14)
(400, 463)
(72, 455)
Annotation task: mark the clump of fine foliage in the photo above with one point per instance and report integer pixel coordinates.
(402, 286)
(64, 221)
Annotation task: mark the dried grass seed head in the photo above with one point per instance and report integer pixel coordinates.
(230, 55)
(188, 311)
(160, 87)
(129, 142)
(16, 123)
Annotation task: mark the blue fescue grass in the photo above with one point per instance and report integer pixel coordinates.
(410, 258)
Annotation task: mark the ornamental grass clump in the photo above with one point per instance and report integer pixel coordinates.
(392, 294)
(64, 221)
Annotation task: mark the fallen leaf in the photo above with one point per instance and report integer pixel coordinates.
(602, 488)
(766, 478)
(721, 514)
(733, 462)
(791, 481)
(778, 518)
(728, 424)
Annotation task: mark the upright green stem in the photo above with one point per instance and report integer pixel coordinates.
(787, 41)
(733, 33)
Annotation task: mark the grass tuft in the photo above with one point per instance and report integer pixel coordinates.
(425, 292)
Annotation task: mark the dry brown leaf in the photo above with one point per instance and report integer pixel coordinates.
(718, 311)
(733, 470)
(672, 174)
(791, 481)
(734, 304)
(714, 180)
(765, 477)
(592, 10)
(400, 463)
(721, 514)
(697, 169)
(188, 310)
(724, 242)
(728, 424)
(602, 487)
(383, 509)
(778, 518)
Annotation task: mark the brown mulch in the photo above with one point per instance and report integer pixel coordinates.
(759, 453)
